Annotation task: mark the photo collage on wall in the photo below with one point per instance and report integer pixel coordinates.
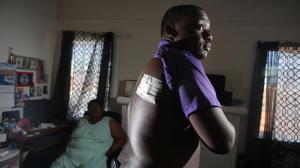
(31, 80)
(7, 84)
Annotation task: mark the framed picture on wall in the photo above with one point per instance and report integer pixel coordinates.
(39, 90)
(25, 79)
(19, 62)
(26, 63)
(33, 64)
(129, 87)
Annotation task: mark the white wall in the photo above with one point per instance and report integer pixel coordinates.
(28, 26)
(236, 24)
(237, 27)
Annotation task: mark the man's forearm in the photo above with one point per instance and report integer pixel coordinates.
(217, 133)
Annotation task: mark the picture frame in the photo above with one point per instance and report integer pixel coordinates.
(129, 87)
(39, 90)
(25, 79)
(27, 63)
(19, 97)
(19, 62)
(33, 64)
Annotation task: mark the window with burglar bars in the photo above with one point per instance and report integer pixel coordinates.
(286, 126)
(282, 76)
(280, 113)
(85, 71)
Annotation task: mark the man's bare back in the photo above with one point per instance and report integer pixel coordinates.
(165, 137)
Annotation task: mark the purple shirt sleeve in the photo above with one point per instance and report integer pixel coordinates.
(195, 91)
(187, 80)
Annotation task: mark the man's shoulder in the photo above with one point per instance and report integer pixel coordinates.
(155, 63)
(154, 68)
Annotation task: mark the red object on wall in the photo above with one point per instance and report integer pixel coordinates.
(25, 79)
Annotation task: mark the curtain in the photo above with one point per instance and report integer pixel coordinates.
(62, 85)
(84, 72)
(258, 149)
(106, 71)
(269, 97)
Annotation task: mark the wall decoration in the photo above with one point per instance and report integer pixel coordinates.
(39, 90)
(7, 77)
(40, 76)
(45, 89)
(27, 63)
(31, 80)
(129, 86)
(32, 91)
(19, 97)
(7, 84)
(19, 62)
(25, 79)
(33, 64)
(26, 92)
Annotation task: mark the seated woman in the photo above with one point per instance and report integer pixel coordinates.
(95, 138)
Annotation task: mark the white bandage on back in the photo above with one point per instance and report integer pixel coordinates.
(149, 88)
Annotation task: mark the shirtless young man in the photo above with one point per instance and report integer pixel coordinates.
(174, 104)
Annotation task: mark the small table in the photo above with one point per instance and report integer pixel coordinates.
(39, 139)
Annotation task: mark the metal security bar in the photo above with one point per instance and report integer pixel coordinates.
(85, 71)
(286, 124)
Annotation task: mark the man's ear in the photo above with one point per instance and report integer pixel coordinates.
(171, 31)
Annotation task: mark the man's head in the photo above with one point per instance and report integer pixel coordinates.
(94, 109)
(189, 27)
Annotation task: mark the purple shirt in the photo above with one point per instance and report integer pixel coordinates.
(186, 79)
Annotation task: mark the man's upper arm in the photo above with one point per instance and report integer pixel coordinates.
(212, 126)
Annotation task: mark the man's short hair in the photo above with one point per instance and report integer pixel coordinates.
(176, 13)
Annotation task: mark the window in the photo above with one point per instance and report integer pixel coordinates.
(281, 94)
(286, 125)
(85, 71)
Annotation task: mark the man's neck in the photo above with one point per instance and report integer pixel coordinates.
(181, 44)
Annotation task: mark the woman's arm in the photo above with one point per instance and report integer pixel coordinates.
(118, 135)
